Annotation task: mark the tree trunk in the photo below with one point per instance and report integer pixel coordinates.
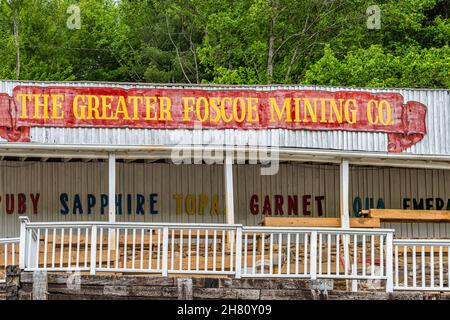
(270, 53)
(291, 63)
(17, 44)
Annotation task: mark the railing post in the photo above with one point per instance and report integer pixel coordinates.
(93, 249)
(313, 256)
(346, 242)
(22, 242)
(165, 252)
(238, 252)
(389, 264)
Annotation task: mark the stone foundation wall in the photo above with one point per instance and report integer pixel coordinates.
(43, 286)
(2, 290)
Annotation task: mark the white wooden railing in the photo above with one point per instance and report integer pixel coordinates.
(9, 254)
(168, 248)
(317, 253)
(207, 249)
(422, 264)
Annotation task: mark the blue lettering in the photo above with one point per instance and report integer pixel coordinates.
(77, 204)
(119, 203)
(140, 199)
(63, 198)
(129, 203)
(103, 203)
(153, 201)
(357, 206)
(90, 202)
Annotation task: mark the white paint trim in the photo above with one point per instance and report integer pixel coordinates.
(404, 160)
(111, 187)
(229, 196)
(344, 175)
(129, 149)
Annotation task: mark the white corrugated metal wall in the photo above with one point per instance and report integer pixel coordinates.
(395, 184)
(196, 183)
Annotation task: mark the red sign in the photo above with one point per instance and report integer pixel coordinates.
(71, 107)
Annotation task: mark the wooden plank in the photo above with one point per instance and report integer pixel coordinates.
(410, 215)
(319, 222)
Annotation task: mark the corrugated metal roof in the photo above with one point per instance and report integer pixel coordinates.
(435, 142)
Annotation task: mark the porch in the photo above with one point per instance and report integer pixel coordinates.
(369, 259)
(364, 256)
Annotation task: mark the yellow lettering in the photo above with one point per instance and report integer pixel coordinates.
(38, 105)
(309, 109)
(285, 109)
(334, 110)
(57, 106)
(150, 106)
(241, 103)
(93, 103)
(252, 109)
(223, 110)
(79, 110)
(384, 105)
(370, 110)
(297, 110)
(106, 107)
(351, 111)
(190, 204)
(202, 104)
(178, 197)
(23, 97)
(122, 108)
(213, 103)
(202, 203)
(164, 108)
(187, 106)
(135, 100)
(214, 205)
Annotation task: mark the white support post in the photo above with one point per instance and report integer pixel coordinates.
(22, 242)
(93, 249)
(165, 251)
(238, 252)
(313, 256)
(389, 262)
(112, 187)
(344, 194)
(229, 197)
(345, 211)
(112, 197)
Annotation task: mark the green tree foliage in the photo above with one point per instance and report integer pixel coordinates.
(376, 67)
(410, 50)
(226, 41)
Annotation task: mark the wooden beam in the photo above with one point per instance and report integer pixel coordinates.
(44, 159)
(319, 222)
(410, 215)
